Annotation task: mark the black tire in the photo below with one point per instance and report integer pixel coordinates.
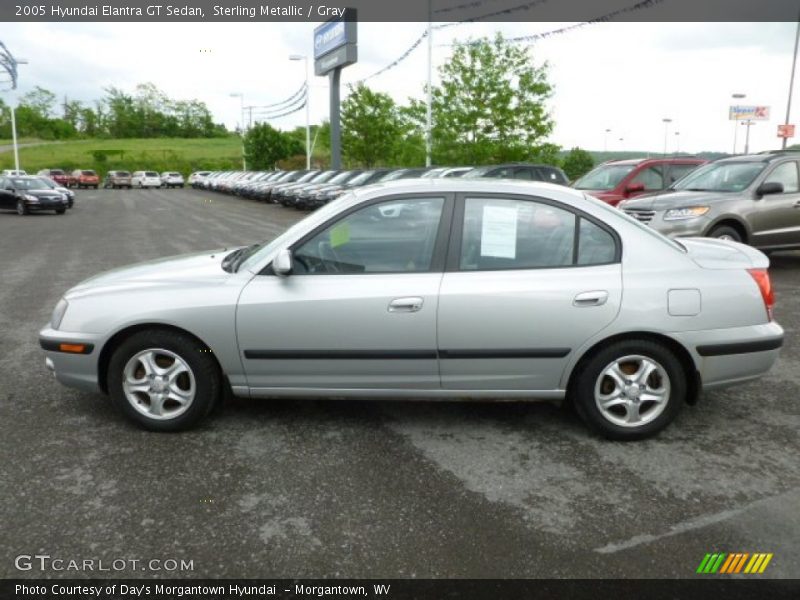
(590, 376)
(204, 369)
(726, 233)
(22, 209)
(61, 211)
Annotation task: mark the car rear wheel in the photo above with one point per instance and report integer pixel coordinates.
(61, 211)
(725, 232)
(163, 381)
(630, 390)
(21, 208)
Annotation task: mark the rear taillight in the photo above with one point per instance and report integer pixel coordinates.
(761, 277)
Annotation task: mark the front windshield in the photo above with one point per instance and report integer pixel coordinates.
(323, 177)
(361, 178)
(604, 177)
(392, 175)
(721, 177)
(27, 184)
(342, 177)
(477, 172)
(48, 183)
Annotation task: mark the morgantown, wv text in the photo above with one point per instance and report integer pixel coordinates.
(178, 591)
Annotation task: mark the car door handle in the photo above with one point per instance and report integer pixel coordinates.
(595, 298)
(410, 304)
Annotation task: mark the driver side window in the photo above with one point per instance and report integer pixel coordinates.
(787, 175)
(396, 236)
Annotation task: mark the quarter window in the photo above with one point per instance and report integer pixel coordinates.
(397, 236)
(785, 174)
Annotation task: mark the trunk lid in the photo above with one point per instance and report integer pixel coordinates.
(710, 253)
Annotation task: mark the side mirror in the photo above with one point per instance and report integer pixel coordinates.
(282, 264)
(632, 188)
(771, 187)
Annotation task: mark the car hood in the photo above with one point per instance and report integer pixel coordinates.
(202, 267)
(48, 193)
(675, 199)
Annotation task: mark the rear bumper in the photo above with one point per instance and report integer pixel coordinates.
(728, 356)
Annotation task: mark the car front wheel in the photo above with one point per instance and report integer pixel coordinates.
(61, 211)
(163, 380)
(21, 208)
(630, 390)
(725, 233)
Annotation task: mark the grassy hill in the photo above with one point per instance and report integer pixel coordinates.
(158, 154)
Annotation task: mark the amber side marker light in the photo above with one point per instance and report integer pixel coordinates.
(74, 348)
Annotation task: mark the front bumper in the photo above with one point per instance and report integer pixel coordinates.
(74, 369)
(46, 205)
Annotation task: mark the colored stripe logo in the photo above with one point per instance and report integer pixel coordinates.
(735, 562)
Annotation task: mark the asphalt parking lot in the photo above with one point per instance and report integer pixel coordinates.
(364, 489)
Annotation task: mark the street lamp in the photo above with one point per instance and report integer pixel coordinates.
(735, 121)
(677, 142)
(9, 65)
(241, 127)
(304, 58)
(605, 140)
(666, 130)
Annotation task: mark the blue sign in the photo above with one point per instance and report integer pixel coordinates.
(329, 36)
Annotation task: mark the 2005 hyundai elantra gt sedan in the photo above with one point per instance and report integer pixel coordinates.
(432, 289)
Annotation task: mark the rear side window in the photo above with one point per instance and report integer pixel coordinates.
(89, 173)
(500, 233)
(151, 174)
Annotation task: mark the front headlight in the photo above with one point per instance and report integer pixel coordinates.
(30, 198)
(691, 212)
(58, 313)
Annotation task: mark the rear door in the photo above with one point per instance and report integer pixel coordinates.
(776, 221)
(7, 197)
(527, 282)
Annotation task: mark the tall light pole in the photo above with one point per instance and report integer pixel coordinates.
(605, 140)
(666, 122)
(736, 121)
(791, 80)
(677, 142)
(9, 64)
(429, 99)
(241, 127)
(304, 58)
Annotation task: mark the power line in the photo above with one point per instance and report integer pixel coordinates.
(289, 112)
(301, 92)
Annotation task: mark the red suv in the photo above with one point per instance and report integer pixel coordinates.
(85, 178)
(57, 175)
(618, 180)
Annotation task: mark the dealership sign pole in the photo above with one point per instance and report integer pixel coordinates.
(748, 114)
(786, 130)
(335, 47)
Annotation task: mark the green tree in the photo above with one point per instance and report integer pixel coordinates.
(264, 146)
(371, 125)
(490, 106)
(577, 163)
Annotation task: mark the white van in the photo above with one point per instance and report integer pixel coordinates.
(143, 179)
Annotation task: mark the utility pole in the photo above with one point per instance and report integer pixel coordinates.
(791, 79)
(429, 114)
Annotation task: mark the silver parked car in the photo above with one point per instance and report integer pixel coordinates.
(435, 288)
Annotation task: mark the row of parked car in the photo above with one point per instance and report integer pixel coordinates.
(310, 189)
(88, 178)
(753, 199)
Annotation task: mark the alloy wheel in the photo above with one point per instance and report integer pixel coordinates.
(158, 383)
(632, 391)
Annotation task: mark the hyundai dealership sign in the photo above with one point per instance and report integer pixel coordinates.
(335, 43)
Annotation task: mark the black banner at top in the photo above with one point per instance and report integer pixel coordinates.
(392, 10)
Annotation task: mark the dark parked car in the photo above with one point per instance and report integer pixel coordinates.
(27, 194)
(61, 190)
(118, 179)
(57, 175)
(522, 171)
(618, 180)
(752, 199)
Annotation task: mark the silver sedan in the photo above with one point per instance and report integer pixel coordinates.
(430, 289)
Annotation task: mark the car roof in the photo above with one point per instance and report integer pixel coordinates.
(762, 157)
(661, 159)
(477, 185)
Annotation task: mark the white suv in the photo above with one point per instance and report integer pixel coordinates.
(171, 179)
(143, 179)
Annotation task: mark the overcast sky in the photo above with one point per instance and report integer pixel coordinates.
(625, 77)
